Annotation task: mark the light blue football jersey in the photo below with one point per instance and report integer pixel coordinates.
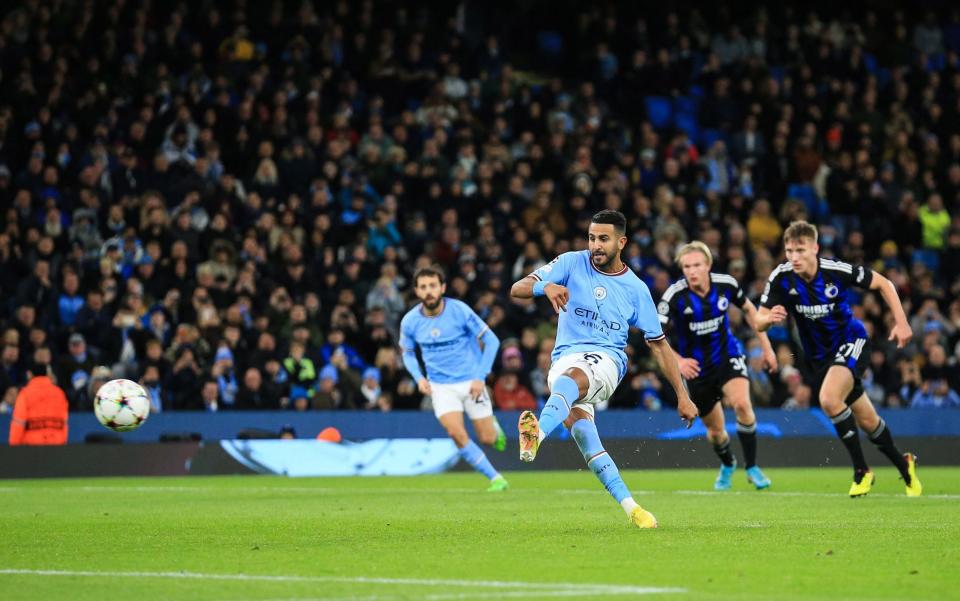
(601, 309)
(448, 342)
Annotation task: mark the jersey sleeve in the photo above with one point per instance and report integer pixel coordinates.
(471, 321)
(664, 308)
(647, 316)
(737, 296)
(773, 290)
(407, 342)
(860, 276)
(556, 271)
(408, 347)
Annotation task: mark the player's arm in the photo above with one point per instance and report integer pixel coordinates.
(548, 281)
(408, 347)
(750, 314)
(647, 319)
(689, 368)
(489, 345)
(771, 311)
(901, 332)
(667, 360)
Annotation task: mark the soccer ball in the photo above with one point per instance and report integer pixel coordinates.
(121, 405)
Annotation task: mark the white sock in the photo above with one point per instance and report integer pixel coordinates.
(628, 504)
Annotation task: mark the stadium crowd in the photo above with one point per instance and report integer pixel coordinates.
(226, 201)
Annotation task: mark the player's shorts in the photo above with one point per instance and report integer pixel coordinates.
(854, 355)
(601, 369)
(707, 390)
(448, 398)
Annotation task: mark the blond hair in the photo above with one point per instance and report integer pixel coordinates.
(800, 229)
(695, 246)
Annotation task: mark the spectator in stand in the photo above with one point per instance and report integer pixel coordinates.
(938, 382)
(234, 197)
(510, 395)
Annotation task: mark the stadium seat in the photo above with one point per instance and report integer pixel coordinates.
(708, 137)
(550, 44)
(659, 111)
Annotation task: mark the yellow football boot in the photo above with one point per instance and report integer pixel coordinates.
(914, 489)
(858, 489)
(641, 518)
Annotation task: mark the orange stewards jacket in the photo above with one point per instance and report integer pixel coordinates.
(40, 414)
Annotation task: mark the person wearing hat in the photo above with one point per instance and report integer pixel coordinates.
(370, 386)
(41, 411)
(328, 395)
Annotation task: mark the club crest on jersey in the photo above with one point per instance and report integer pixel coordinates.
(435, 333)
(599, 293)
(663, 308)
(723, 303)
(831, 291)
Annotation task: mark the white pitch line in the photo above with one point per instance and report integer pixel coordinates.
(570, 587)
(769, 493)
(545, 592)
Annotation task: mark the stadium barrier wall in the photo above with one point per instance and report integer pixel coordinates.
(413, 443)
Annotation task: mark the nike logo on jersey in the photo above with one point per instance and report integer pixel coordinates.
(849, 434)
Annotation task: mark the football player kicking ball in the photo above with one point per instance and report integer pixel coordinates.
(598, 298)
(711, 358)
(458, 350)
(814, 290)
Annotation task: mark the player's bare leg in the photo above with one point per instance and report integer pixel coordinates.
(736, 394)
(452, 422)
(486, 430)
(880, 435)
(837, 386)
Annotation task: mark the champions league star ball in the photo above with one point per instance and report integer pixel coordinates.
(121, 405)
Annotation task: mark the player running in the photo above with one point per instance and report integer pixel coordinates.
(711, 358)
(458, 350)
(598, 298)
(814, 290)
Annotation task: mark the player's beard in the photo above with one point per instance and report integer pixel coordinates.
(432, 305)
(602, 260)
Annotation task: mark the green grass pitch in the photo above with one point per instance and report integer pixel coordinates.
(553, 535)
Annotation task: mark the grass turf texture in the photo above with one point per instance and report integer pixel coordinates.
(349, 537)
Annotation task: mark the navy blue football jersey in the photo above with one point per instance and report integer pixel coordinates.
(701, 326)
(821, 306)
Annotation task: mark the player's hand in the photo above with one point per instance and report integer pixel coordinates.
(770, 361)
(558, 295)
(689, 368)
(424, 386)
(901, 333)
(778, 314)
(476, 389)
(687, 410)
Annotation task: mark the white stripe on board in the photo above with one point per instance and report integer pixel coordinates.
(480, 584)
